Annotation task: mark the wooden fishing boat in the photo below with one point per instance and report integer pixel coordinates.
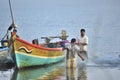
(28, 54)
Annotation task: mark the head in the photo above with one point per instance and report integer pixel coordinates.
(14, 30)
(73, 40)
(47, 40)
(82, 31)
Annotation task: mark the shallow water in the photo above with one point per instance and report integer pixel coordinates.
(59, 71)
(56, 71)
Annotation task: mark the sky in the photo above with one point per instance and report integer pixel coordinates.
(59, 13)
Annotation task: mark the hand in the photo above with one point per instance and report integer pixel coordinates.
(80, 43)
(83, 43)
(81, 57)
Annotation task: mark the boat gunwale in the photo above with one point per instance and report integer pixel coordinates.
(39, 47)
(4, 49)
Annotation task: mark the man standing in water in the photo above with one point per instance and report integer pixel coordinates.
(83, 42)
(72, 51)
(71, 54)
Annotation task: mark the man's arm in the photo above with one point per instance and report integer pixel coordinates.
(85, 42)
(78, 52)
(80, 56)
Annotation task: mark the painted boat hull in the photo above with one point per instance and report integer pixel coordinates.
(28, 54)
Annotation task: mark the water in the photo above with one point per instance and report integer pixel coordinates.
(58, 71)
(47, 18)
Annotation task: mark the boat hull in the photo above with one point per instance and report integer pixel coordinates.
(28, 54)
(25, 60)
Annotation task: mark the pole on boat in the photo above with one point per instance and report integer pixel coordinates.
(13, 25)
(11, 11)
(63, 36)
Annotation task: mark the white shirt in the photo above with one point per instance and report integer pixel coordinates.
(83, 40)
(73, 49)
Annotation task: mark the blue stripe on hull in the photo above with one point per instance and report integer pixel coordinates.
(3, 49)
(26, 60)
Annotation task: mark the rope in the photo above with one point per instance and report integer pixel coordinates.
(5, 36)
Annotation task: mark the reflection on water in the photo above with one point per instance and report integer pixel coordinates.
(5, 72)
(51, 72)
(82, 72)
(54, 74)
(76, 73)
(71, 73)
(60, 72)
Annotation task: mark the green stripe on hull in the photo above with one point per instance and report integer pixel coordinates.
(26, 60)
